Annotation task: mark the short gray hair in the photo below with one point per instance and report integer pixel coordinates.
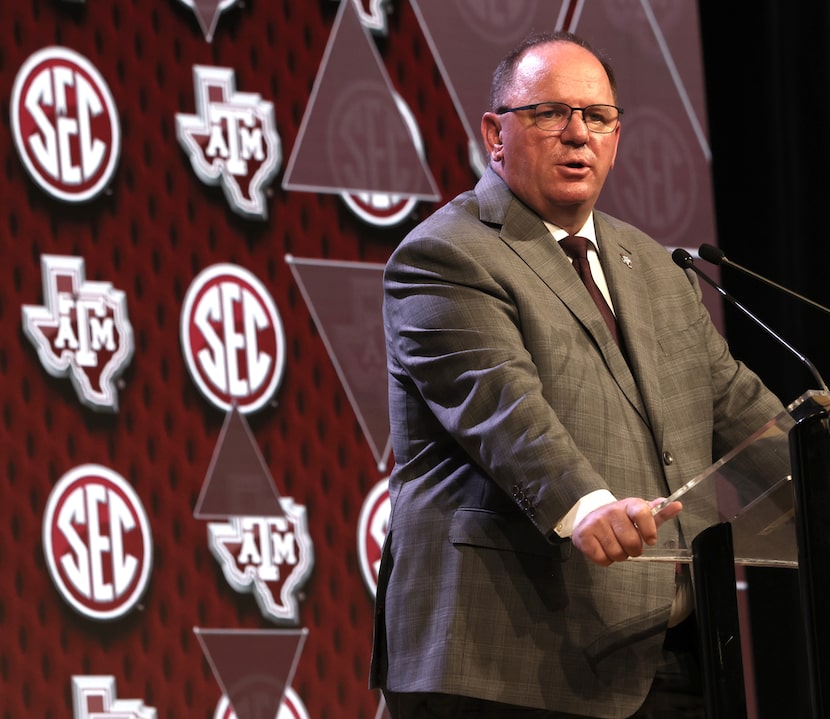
(503, 74)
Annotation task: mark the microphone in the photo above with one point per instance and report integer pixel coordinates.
(715, 256)
(683, 259)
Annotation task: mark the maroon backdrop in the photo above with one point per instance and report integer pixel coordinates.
(159, 224)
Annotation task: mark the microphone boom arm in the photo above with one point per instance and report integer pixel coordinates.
(684, 259)
(716, 256)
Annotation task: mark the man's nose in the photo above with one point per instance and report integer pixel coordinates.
(576, 130)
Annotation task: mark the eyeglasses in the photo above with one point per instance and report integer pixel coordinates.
(555, 116)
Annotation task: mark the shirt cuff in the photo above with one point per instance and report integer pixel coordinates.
(591, 501)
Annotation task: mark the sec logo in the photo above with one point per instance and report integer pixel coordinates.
(291, 707)
(371, 532)
(232, 338)
(97, 542)
(65, 124)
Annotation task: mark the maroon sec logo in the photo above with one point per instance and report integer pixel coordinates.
(371, 532)
(65, 124)
(291, 707)
(232, 338)
(97, 542)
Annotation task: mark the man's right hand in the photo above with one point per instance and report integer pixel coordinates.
(617, 531)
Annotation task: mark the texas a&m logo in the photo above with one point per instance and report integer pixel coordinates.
(95, 697)
(232, 140)
(65, 124)
(81, 330)
(373, 14)
(270, 557)
(97, 542)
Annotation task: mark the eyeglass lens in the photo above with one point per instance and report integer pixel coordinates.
(554, 116)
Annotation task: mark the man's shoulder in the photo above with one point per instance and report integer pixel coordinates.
(462, 209)
(609, 225)
(465, 210)
(613, 229)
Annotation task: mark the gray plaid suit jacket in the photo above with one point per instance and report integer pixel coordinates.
(510, 400)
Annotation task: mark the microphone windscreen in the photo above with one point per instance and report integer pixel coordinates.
(682, 258)
(711, 254)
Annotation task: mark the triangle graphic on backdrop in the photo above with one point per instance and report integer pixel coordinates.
(237, 483)
(207, 13)
(253, 666)
(345, 300)
(468, 39)
(383, 711)
(353, 138)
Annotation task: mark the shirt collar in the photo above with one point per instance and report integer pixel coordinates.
(588, 231)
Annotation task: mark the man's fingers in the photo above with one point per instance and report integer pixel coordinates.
(596, 551)
(619, 530)
(608, 538)
(672, 509)
(639, 513)
(627, 534)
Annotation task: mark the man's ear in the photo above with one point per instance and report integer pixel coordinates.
(491, 133)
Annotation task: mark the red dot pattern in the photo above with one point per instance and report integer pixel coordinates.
(149, 235)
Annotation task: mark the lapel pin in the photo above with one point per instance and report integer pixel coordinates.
(626, 260)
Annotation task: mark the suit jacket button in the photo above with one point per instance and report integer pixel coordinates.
(667, 458)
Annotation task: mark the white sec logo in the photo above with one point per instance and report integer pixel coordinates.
(97, 542)
(65, 124)
(232, 338)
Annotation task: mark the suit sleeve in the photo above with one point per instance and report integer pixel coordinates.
(455, 340)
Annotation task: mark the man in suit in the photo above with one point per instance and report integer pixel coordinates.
(530, 445)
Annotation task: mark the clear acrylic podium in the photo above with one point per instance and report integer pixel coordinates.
(765, 503)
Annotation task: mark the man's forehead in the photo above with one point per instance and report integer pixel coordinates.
(563, 64)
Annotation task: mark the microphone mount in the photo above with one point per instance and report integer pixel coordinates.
(716, 256)
(683, 259)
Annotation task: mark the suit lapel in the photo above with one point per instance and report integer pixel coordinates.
(527, 235)
(630, 296)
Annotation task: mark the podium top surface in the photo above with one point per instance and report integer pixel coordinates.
(751, 488)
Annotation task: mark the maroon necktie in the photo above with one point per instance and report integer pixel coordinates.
(577, 249)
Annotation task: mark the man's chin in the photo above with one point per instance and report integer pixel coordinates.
(573, 197)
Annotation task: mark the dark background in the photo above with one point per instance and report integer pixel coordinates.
(767, 71)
